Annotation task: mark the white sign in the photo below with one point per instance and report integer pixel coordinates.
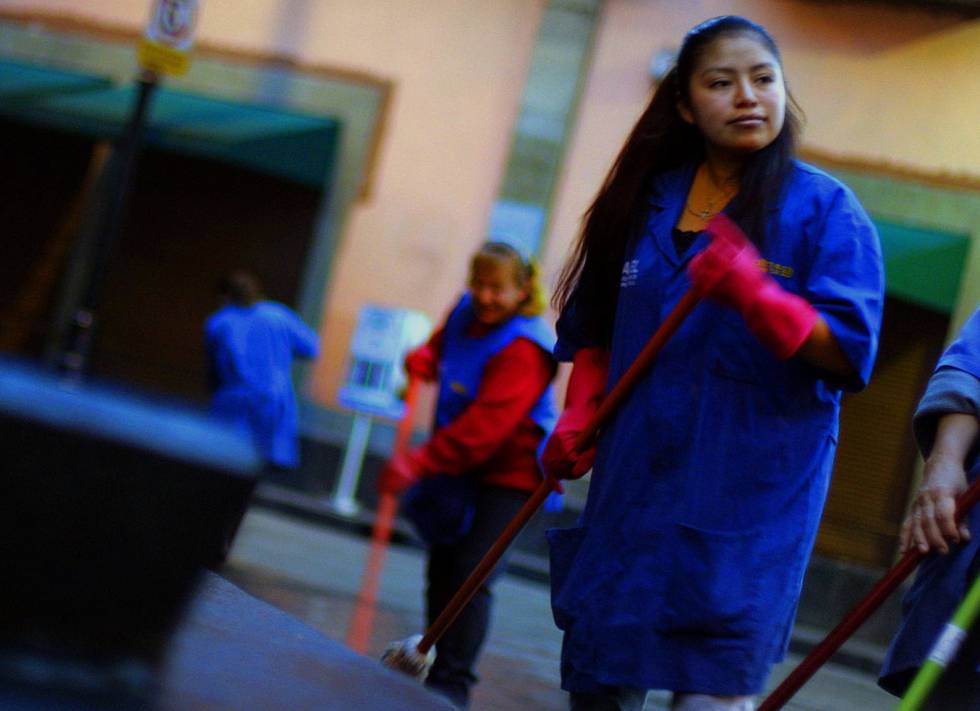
(172, 23)
(375, 376)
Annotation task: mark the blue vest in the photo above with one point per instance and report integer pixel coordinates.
(464, 357)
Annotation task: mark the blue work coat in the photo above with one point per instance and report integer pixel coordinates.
(685, 568)
(943, 580)
(251, 351)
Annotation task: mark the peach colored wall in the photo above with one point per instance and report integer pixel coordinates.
(458, 69)
(881, 84)
(878, 84)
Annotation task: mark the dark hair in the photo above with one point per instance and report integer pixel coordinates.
(660, 141)
(239, 287)
(526, 273)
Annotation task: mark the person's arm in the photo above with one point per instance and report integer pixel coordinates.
(930, 523)
(423, 362)
(728, 272)
(306, 341)
(513, 381)
(586, 388)
(834, 329)
(821, 350)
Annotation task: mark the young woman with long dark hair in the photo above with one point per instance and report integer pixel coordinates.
(707, 485)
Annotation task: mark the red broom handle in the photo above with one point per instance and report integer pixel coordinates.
(483, 569)
(609, 404)
(860, 612)
(363, 617)
(639, 366)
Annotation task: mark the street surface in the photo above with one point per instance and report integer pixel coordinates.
(313, 572)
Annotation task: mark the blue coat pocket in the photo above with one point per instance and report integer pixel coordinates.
(715, 584)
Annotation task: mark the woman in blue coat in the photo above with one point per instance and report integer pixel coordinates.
(251, 345)
(947, 430)
(685, 568)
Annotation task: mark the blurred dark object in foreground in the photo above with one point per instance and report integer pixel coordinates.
(232, 651)
(114, 506)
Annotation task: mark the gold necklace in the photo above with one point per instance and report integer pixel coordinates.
(723, 194)
(704, 214)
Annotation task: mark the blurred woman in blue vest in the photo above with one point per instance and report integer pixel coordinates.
(492, 361)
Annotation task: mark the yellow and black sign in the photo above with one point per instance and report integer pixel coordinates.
(166, 45)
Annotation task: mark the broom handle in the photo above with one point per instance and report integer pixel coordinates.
(857, 616)
(363, 617)
(483, 569)
(609, 404)
(639, 366)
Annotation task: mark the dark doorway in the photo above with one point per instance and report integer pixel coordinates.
(190, 220)
(42, 175)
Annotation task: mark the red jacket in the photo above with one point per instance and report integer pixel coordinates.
(495, 438)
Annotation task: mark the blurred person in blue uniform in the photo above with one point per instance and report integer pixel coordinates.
(251, 345)
(685, 568)
(947, 430)
(492, 361)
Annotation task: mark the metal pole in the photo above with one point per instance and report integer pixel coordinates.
(350, 471)
(111, 211)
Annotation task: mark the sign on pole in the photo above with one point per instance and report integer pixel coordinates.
(166, 45)
(374, 386)
(376, 376)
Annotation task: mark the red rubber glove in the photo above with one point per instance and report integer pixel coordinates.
(586, 388)
(423, 363)
(400, 472)
(728, 271)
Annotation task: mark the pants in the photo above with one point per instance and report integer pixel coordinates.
(703, 702)
(610, 699)
(449, 566)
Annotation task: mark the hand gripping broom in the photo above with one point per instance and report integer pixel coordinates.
(859, 613)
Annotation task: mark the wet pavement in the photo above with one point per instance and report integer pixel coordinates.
(313, 572)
